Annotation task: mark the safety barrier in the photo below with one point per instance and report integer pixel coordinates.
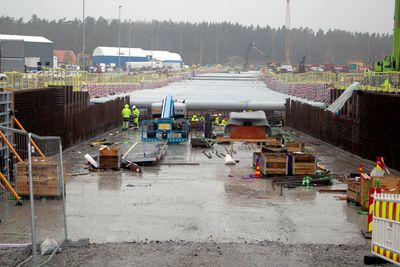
(386, 227)
(79, 79)
(38, 176)
(310, 91)
(388, 82)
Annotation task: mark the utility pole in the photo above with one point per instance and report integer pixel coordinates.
(287, 35)
(152, 41)
(129, 40)
(83, 35)
(180, 43)
(369, 49)
(119, 39)
(201, 52)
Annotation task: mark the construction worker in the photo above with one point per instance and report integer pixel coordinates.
(194, 118)
(224, 122)
(201, 123)
(386, 86)
(126, 114)
(136, 114)
(216, 121)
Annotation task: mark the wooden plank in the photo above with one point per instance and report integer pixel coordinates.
(129, 150)
(225, 139)
(274, 141)
(292, 147)
(332, 191)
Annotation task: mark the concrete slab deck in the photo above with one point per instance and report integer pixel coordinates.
(210, 201)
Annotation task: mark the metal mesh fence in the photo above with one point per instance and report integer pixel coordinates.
(370, 81)
(37, 178)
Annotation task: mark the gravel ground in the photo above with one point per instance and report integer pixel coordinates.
(200, 254)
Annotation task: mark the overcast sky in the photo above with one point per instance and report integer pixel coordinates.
(352, 15)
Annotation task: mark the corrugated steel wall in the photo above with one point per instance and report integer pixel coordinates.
(59, 111)
(368, 125)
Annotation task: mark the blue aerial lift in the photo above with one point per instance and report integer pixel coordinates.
(168, 122)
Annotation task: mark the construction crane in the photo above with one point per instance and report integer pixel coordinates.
(392, 63)
(168, 123)
(253, 45)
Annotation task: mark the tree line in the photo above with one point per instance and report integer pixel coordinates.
(206, 43)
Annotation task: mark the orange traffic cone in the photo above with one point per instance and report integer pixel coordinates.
(258, 170)
(360, 168)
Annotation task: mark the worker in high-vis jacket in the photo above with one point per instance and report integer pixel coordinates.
(126, 114)
(386, 86)
(194, 118)
(224, 122)
(216, 121)
(136, 114)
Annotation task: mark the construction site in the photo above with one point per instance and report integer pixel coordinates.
(135, 159)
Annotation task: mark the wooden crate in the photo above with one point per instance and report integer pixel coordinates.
(353, 196)
(388, 184)
(303, 164)
(44, 175)
(273, 163)
(110, 158)
(294, 147)
(353, 187)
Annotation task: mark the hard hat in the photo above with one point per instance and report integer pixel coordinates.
(134, 107)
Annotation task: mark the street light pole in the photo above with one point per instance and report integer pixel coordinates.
(130, 40)
(83, 35)
(119, 39)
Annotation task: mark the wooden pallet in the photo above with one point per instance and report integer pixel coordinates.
(273, 163)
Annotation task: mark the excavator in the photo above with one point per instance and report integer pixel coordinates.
(253, 45)
(392, 63)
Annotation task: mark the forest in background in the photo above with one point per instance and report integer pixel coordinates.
(206, 43)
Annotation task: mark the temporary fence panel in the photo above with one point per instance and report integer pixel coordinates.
(39, 180)
(388, 82)
(386, 227)
(79, 79)
(6, 121)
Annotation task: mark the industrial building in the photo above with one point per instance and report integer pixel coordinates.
(115, 55)
(18, 52)
(66, 57)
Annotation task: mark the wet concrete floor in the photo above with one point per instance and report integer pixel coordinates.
(211, 201)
